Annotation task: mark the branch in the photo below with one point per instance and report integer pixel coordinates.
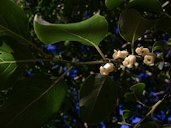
(154, 107)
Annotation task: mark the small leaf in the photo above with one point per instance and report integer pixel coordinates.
(98, 98)
(89, 32)
(149, 124)
(31, 102)
(138, 89)
(127, 114)
(130, 97)
(158, 46)
(113, 4)
(146, 5)
(133, 28)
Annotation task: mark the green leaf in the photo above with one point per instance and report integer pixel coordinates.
(164, 23)
(127, 114)
(149, 124)
(89, 32)
(13, 21)
(113, 4)
(14, 32)
(146, 5)
(98, 98)
(138, 89)
(130, 97)
(133, 28)
(32, 102)
(159, 46)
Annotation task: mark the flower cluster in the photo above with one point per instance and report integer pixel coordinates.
(129, 60)
(149, 58)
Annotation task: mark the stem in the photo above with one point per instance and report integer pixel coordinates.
(23, 40)
(54, 60)
(100, 52)
(153, 108)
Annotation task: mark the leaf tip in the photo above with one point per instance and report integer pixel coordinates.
(39, 19)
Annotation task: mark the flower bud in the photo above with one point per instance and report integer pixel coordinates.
(109, 67)
(120, 54)
(106, 69)
(142, 51)
(149, 59)
(103, 71)
(129, 61)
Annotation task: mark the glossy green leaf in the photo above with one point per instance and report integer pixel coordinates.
(149, 124)
(14, 36)
(98, 98)
(32, 102)
(146, 5)
(89, 32)
(138, 89)
(132, 25)
(113, 4)
(164, 24)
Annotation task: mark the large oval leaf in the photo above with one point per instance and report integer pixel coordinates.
(98, 98)
(132, 25)
(31, 102)
(146, 5)
(113, 4)
(14, 35)
(89, 32)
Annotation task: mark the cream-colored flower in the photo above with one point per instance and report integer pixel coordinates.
(107, 68)
(142, 51)
(129, 61)
(120, 54)
(149, 59)
(103, 71)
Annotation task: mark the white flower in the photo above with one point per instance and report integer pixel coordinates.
(129, 61)
(142, 51)
(120, 54)
(103, 71)
(149, 59)
(106, 69)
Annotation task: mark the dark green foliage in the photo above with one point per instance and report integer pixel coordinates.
(98, 97)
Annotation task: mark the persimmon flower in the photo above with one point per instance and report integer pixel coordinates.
(149, 59)
(142, 51)
(120, 54)
(129, 61)
(106, 69)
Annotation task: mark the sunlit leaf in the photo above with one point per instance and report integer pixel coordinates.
(113, 4)
(32, 102)
(89, 32)
(98, 98)
(146, 5)
(132, 25)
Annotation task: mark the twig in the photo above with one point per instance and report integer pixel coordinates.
(154, 107)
